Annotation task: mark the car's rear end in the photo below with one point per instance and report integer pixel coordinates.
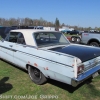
(87, 70)
(86, 63)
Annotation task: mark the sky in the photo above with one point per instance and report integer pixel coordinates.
(82, 13)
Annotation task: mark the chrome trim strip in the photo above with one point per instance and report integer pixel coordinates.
(36, 56)
(9, 48)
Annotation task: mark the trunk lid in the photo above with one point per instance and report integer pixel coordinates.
(84, 53)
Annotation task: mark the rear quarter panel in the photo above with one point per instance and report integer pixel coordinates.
(53, 65)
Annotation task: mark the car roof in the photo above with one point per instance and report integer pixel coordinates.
(31, 30)
(28, 34)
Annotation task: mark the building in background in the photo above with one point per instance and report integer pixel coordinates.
(49, 28)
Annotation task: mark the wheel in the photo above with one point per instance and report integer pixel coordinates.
(73, 39)
(78, 39)
(95, 44)
(36, 75)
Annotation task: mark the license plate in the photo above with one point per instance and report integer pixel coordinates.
(95, 74)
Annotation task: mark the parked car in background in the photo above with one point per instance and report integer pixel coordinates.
(35, 27)
(48, 54)
(73, 32)
(28, 27)
(20, 27)
(5, 30)
(64, 31)
(92, 39)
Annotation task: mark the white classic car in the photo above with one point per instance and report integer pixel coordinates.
(48, 54)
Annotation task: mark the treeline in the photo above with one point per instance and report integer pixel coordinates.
(25, 22)
(39, 22)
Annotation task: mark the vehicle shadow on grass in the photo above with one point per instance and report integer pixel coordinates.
(4, 87)
(66, 87)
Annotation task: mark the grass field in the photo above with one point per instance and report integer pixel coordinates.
(16, 84)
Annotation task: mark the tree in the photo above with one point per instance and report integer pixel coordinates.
(63, 25)
(57, 24)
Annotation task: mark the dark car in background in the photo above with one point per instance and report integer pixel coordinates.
(73, 32)
(5, 30)
(28, 27)
(20, 27)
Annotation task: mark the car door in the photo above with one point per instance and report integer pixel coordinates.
(19, 55)
(6, 47)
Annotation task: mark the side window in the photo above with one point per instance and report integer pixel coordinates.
(21, 39)
(16, 37)
(13, 36)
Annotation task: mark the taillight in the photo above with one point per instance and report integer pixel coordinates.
(80, 69)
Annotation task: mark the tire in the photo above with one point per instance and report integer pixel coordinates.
(78, 39)
(73, 39)
(36, 75)
(95, 44)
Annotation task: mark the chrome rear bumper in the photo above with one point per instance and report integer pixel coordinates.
(85, 75)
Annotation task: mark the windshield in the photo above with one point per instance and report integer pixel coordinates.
(50, 38)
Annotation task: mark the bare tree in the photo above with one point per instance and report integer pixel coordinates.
(39, 22)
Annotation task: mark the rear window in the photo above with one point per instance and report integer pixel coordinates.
(50, 38)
